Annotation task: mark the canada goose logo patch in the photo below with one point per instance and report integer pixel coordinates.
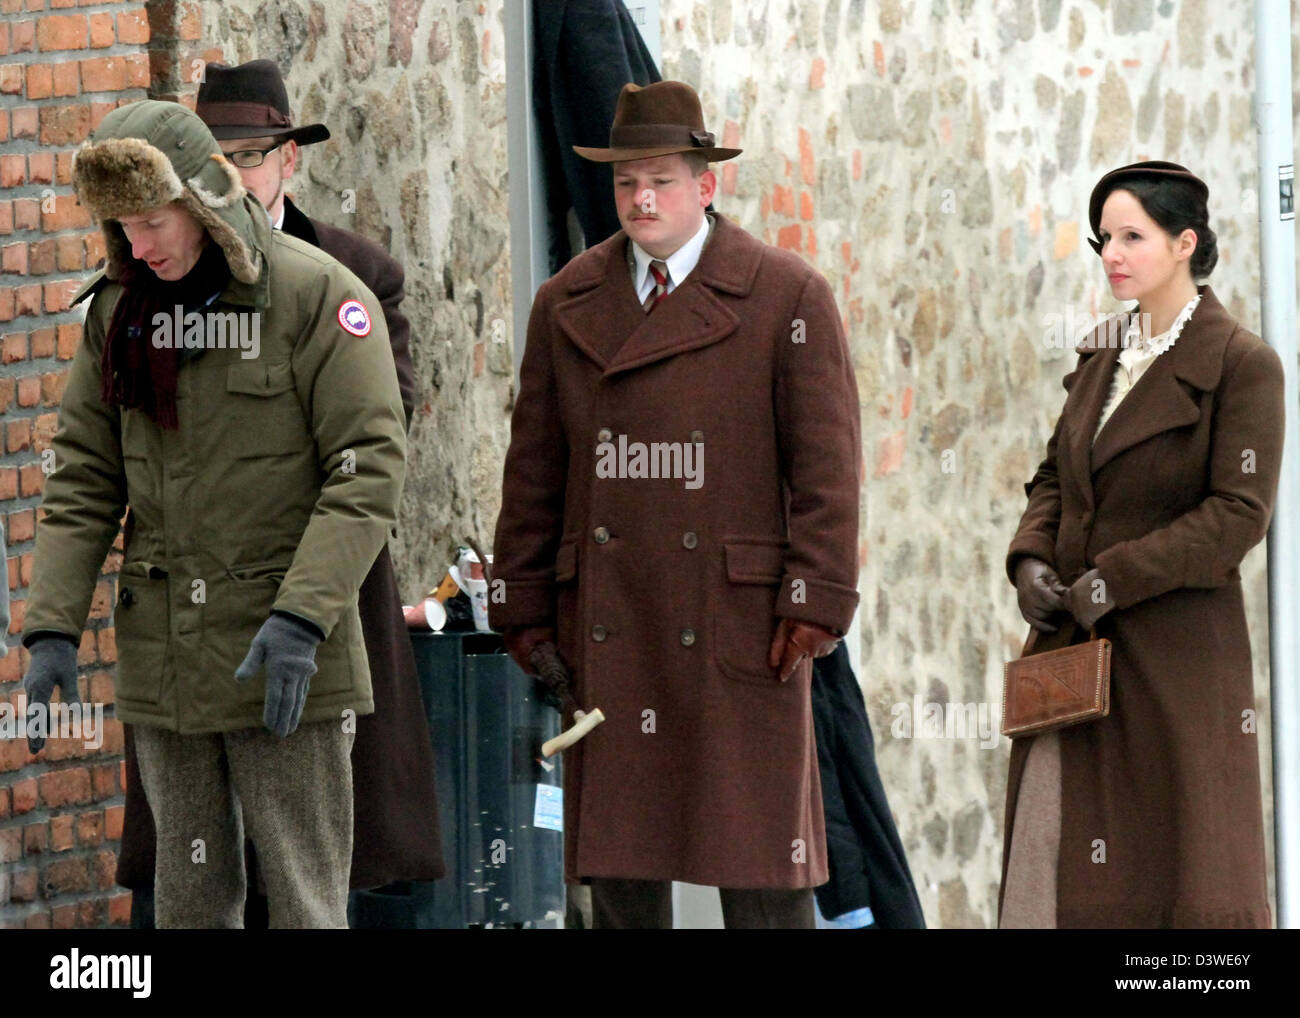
(354, 318)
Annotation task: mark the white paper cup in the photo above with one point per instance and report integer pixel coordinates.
(435, 614)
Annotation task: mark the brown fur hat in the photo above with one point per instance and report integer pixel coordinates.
(149, 153)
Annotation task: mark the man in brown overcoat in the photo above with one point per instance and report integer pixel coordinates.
(680, 513)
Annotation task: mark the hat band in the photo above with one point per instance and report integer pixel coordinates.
(241, 114)
(658, 135)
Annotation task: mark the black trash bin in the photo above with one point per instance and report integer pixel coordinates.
(498, 803)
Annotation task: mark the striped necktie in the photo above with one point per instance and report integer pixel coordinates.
(659, 270)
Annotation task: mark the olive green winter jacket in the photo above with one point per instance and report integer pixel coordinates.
(277, 491)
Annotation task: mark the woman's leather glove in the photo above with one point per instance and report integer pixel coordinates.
(1039, 592)
(1088, 599)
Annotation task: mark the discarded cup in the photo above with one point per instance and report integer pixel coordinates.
(428, 614)
(469, 576)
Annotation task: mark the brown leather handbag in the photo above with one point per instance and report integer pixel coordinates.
(1055, 689)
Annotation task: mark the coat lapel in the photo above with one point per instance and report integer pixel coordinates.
(1160, 401)
(1090, 390)
(606, 321)
(602, 310)
(298, 224)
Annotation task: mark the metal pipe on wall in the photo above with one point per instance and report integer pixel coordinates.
(529, 232)
(1274, 129)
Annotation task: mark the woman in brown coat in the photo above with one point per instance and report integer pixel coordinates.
(1158, 479)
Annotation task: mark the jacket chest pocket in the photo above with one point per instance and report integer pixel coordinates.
(262, 414)
(744, 616)
(141, 462)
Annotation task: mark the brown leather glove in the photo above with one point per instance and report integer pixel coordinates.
(794, 640)
(1040, 593)
(520, 641)
(1082, 599)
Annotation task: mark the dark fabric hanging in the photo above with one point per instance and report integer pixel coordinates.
(867, 863)
(586, 51)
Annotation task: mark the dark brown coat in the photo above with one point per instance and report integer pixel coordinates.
(395, 806)
(1165, 506)
(667, 597)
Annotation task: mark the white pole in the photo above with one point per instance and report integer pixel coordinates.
(1277, 312)
(528, 225)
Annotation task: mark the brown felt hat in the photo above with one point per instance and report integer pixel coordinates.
(657, 120)
(1153, 169)
(250, 101)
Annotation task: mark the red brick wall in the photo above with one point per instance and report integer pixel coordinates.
(64, 64)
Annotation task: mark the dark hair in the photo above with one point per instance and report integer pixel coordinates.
(1176, 206)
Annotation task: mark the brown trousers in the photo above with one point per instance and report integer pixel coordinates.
(294, 797)
(648, 905)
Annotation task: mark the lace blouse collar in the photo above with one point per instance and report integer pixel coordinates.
(1159, 344)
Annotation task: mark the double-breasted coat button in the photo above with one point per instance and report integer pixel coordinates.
(604, 435)
(601, 535)
(689, 540)
(688, 637)
(126, 598)
(598, 633)
(697, 436)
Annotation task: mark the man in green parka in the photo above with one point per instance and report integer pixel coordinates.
(234, 388)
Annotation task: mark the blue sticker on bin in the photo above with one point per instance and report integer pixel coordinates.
(548, 811)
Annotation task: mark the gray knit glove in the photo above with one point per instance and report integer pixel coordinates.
(54, 663)
(287, 646)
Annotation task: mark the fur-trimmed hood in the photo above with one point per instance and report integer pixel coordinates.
(150, 153)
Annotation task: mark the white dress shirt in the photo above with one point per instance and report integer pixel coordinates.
(680, 263)
(1138, 355)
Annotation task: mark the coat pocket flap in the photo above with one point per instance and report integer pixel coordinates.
(141, 569)
(754, 563)
(566, 561)
(260, 378)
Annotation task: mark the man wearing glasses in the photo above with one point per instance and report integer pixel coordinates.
(395, 814)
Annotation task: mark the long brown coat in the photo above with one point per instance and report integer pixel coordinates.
(395, 805)
(1178, 487)
(667, 596)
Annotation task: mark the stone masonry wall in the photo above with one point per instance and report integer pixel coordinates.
(413, 92)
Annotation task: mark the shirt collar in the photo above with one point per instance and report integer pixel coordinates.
(279, 223)
(680, 262)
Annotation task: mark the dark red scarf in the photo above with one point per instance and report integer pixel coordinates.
(137, 374)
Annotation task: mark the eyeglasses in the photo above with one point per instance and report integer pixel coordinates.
(249, 157)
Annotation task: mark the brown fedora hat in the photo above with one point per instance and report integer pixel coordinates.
(1149, 170)
(250, 101)
(657, 120)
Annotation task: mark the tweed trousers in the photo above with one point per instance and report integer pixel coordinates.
(292, 795)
